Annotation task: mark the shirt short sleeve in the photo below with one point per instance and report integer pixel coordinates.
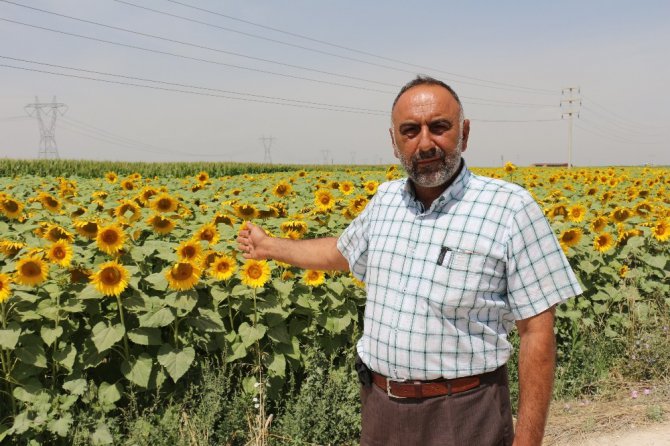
(538, 273)
(353, 242)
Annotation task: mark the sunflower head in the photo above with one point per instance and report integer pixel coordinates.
(599, 224)
(371, 187)
(621, 214)
(164, 203)
(282, 189)
(246, 211)
(576, 213)
(111, 177)
(110, 239)
(55, 233)
(189, 250)
(346, 187)
(86, 228)
(128, 211)
(324, 200)
(5, 287)
(11, 208)
(161, 225)
(313, 277)
(208, 233)
(570, 237)
(509, 167)
(603, 242)
(183, 276)
(661, 230)
(11, 248)
(60, 253)
(223, 267)
(31, 270)
(255, 273)
(49, 202)
(203, 177)
(111, 279)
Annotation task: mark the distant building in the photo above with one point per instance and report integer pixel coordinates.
(550, 164)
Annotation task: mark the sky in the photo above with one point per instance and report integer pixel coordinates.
(312, 82)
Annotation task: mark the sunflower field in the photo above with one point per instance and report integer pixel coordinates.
(123, 284)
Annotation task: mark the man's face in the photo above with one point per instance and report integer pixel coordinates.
(427, 136)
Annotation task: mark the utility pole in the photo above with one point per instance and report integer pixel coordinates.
(570, 106)
(46, 119)
(267, 143)
(326, 156)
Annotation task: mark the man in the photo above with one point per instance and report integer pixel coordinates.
(452, 261)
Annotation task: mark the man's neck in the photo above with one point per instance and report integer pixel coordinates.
(426, 195)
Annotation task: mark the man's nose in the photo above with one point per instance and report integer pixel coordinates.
(425, 140)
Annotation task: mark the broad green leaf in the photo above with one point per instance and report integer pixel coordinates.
(182, 300)
(249, 385)
(101, 436)
(219, 294)
(277, 365)
(336, 287)
(22, 422)
(61, 426)
(89, 293)
(76, 386)
(105, 336)
(47, 309)
(157, 318)
(138, 370)
(209, 321)
(158, 281)
(236, 350)
(145, 336)
(279, 333)
(66, 356)
(33, 355)
(72, 305)
(10, 336)
(50, 334)
(655, 261)
(587, 267)
(110, 393)
(336, 324)
(249, 335)
(284, 288)
(176, 361)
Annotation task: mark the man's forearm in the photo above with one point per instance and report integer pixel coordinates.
(318, 253)
(536, 378)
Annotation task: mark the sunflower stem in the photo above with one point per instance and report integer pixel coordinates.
(176, 331)
(125, 331)
(54, 365)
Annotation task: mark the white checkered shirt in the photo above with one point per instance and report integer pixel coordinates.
(445, 285)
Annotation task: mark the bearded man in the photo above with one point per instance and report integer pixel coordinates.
(452, 262)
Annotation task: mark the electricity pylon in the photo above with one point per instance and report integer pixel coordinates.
(46, 114)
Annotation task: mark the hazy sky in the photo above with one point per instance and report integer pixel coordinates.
(328, 74)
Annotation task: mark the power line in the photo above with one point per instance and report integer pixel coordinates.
(46, 114)
(616, 139)
(175, 84)
(619, 124)
(343, 47)
(621, 136)
(620, 118)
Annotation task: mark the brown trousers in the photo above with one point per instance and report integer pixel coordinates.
(477, 417)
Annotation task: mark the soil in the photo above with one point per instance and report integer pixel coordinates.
(631, 416)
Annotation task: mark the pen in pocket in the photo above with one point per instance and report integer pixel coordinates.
(443, 252)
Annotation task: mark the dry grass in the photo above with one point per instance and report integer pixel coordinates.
(575, 420)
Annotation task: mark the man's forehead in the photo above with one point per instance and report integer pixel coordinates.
(425, 98)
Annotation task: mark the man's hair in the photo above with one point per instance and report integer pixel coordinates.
(427, 80)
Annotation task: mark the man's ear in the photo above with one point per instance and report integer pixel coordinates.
(395, 146)
(466, 134)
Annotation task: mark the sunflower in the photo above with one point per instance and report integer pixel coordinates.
(298, 226)
(625, 235)
(358, 283)
(287, 275)
(246, 211)
(371, 187)
(576, 213)
(31, 270)
(60, 253)
(570, 237)
(223, 267)
(255, 273)
(203, 177)
(111, 177)
(324, 200)
(661, 230)
(5, 287)
(147, 195)
(621, 214)
(49, 202)
(357, 204)
(558, 211)
(111, 279)
(86, 228)
(128, 184)
(270, 212)
(346, 187)
(183, 276)
(598, 225)
(164, 202)
(313, 277)
(225, 219)
(10, 248)
(509, 167)
(282, 189)
(55, 233)
(79, 274)
(208, 233)
(623, 271)
(128, 211)
(643, 209)
(160, 224)
(603, 242)
(110, 239)
(11, 208)
(189, 250)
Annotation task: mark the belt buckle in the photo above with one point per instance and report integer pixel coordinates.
(388, 387)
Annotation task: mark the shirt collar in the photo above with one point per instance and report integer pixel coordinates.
(454, 191)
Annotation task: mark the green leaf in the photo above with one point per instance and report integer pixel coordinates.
(145, 336)
(655, 261)
(336, 287)
(249, 385)
(89, 293)
(587, 267)
(110, 393)
(336, 324)
(22, 423)
(182, 300)
(157, 318)
(219, 294)
(102, 436)
(284, 288)
(209, 321)
(76, 386)
(72, 305)
(66, 356)
(277, 365)
(279, 333)
(10, 336)
(49, 335)
(235, 348)
(176, 361)
(158, 281)
(105, 336)
(60, 426)
(249, 335)
(32, 354)
(138, 370)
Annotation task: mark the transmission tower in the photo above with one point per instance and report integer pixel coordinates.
(326, 157)
(267, 143)
(46, 114)
(570, 105)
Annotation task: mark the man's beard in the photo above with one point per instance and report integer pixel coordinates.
(437, 173)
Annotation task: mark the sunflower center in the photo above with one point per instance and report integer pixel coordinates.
(11, 205)
(255, 271)
(164, 204)
(207, 235)
(182, 271)
(325, 199)
(223, 267)
(31, 269)
(111, 276)
(90, 227)
(51, 202)
(59, 253)
(247, 210)
(161, 222)
(189, 252)
(110, 237)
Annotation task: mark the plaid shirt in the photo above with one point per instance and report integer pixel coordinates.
(445, 285)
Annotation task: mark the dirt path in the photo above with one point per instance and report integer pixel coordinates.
(619, 420)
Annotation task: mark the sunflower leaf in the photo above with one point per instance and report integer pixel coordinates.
(10, 336)
(32, 354)
(158, 281)
(158, 318)
(104, 336)
(250, 334)
(145, 336)
(176, 361)
(49, 335)
(138, 370)
(66, 356)
(182, 300)
(90, 292)
(110, 393)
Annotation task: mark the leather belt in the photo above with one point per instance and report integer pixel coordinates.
(424, 389)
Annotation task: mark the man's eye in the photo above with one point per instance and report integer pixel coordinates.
(438, 129)
(409, 132)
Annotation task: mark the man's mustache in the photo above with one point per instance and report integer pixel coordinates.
(429, 154)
